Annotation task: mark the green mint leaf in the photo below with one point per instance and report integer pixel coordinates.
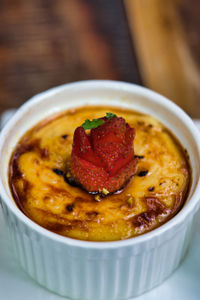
(92, 124)
(110, 115)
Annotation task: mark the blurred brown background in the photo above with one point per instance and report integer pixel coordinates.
(156, 43)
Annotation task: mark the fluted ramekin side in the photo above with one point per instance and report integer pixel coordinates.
(109, 274)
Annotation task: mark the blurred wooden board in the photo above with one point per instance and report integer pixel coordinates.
(189, 11)
(44, 43)
(165, 58)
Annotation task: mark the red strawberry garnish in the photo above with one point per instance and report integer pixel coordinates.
(103, 159)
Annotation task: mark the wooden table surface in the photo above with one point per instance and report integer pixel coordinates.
(44, 43)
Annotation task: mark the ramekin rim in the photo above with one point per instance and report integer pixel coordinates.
(178, 219)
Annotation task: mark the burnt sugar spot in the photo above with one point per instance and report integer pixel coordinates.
(58, 171)
(14, 163)
(63, 229)
(26, 186)
(156, 205)
(64, 136)
(92, 215)
(80, 200)
(70, 207)
(16, 175)
(154, 209)
(44, 153)
(71, 181)
(139, 156)
(58, 228)
(24, 147)
(144, 219)
(58, 190)
(140, 123)
(142, 173)
(151, 189)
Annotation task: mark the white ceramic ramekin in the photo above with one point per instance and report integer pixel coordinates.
(100, 270)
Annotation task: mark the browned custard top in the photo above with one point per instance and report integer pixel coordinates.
(153, 196)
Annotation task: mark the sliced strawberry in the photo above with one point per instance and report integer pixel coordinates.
(94, 178)
(91, 177)
(82, 147)
(113, 130)
(113, 143)
(105, 158)
(129, 136)
(122, 177)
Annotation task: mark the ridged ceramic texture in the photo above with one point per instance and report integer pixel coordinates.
(93, 274)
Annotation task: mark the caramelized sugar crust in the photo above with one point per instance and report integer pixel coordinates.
(153, 196)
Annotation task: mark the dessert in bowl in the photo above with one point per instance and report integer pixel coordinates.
(119, 179)
(109, 262)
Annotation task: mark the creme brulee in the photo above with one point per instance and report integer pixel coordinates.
(38, 179)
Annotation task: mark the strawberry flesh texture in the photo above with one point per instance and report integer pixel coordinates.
(112, 142)
(105, 158)
(82, 147)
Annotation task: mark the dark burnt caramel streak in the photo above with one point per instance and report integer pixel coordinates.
(40, 180)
